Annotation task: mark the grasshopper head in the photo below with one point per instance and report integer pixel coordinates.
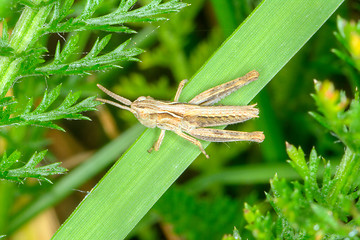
(145, 110)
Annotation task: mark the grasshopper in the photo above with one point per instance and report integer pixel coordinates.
(194, 116)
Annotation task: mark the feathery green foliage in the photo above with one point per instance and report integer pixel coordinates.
(68, 109)
(111, 22)
(91, 62)
(29, 169)
(22, 55)
(321, 208)
(26, 54)
(349, 36)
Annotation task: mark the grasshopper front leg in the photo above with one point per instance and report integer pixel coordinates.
(179, 90)
(157, 144)
(218, 135)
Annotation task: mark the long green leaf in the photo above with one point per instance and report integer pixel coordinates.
(266, 41)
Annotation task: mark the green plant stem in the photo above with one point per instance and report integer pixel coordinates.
(25, 34)
(345, 175)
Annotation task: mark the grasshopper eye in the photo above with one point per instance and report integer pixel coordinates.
(136, 114)
(142, 98)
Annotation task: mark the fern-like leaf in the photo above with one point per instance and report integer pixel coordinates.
(91, 62)
(111, 22)
(68, 109)
(29, 169)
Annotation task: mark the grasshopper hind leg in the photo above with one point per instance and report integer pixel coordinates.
(219, 135)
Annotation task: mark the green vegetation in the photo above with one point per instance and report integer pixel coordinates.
(52, 55)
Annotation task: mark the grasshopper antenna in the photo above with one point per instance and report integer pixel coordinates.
(116, 97)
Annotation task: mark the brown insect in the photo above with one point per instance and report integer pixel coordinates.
(194, 116)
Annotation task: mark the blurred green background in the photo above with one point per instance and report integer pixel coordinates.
(212, 191)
